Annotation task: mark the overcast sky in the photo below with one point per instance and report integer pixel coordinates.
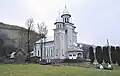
(96, 20)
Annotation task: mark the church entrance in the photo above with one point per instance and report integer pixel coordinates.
(80, 55)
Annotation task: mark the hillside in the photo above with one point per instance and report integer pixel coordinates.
(12, 35)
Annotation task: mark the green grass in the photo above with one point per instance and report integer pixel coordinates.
(47, 70)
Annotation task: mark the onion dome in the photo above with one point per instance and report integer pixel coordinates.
(59, 19)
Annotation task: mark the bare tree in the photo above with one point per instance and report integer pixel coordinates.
(42, 29)
(30, 26)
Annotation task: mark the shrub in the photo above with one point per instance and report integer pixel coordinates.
(113, 54)
(99, 54)
(106, 54)
(118, 55)
(91, 54)
(34, 59)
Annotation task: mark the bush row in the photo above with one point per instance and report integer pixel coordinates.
(104, 53)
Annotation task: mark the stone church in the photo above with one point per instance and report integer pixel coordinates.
(64, 45)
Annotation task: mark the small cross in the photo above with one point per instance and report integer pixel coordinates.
(65, 6)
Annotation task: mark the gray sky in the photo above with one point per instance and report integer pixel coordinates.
(96, 20)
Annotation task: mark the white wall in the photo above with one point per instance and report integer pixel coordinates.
(48, 50)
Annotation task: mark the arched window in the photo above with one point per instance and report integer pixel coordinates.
(67, 19)
(79, 55)
(64, 19)
(47, 51)
(62, 53)
(59, 26)
(56, 52)
(65, 31)
(51, 52)
(38, 52)
(70, 55)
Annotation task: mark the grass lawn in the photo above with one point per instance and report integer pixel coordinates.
(47, 70)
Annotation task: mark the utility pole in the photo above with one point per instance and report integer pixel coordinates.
(109, 51)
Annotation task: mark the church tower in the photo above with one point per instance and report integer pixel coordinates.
(66, 16)
(70, 34)
(59, 37)
(64, 35)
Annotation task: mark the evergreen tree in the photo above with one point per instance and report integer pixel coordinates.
(99, 54)
(118, 55)
(91, 54)
(106, 54)
(113, 54)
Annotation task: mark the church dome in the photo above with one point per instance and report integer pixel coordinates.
(65, 12)
(59, 19)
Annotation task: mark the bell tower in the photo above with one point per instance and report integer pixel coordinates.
(59, 37)
(69, 28)
(66, 16)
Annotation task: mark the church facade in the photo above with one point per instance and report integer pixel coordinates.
(64, 45)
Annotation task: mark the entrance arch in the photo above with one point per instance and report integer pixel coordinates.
(80, 55)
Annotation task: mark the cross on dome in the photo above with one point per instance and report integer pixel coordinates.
(65, 10)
